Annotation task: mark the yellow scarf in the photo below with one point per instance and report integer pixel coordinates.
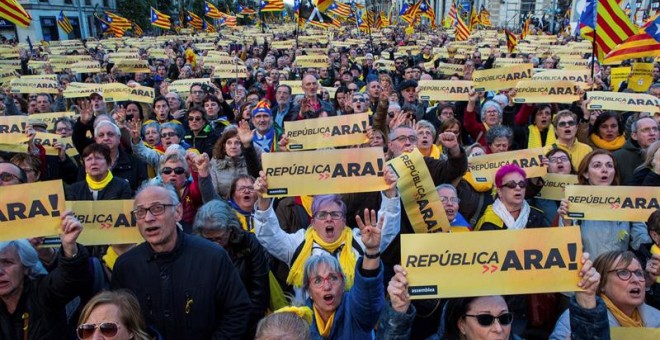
(347, 258)
(304, 312)
(623, 319)
(477, 186)
(306, 201)
(324, 327)
(243, 221)
(535, 141)
(110, 258)
(614, 145)
(98, 186)
(435, 152)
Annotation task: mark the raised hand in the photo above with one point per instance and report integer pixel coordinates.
(86, 112)
(71, 229)
(261, 188)
(398, 290)
(370, 230)
(589, 280)
(245, 134)
(202, 164)
(450, 142)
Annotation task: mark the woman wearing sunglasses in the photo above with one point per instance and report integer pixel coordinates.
(622, 288)
(489, 317)
(599, 168)
(113, 315)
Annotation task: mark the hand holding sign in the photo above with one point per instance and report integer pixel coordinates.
(398, 290)
(589, 281)
(652, 269)
(261, 188)
(71, 229)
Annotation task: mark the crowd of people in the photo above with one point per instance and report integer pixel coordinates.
(221, 260)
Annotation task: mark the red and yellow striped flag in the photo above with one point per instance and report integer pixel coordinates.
(462, 31)
(15, 13)
(613, 27)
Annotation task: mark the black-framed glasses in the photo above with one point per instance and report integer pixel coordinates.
(360, 99)
(486, 320)
(566, 124)
(513, 185)
(168, 135)
(168, 170)
(7, 177)
(86, 330)
(625, 274)
(156, 209)
(335, 215)
(411, 139)
(558, 159)
(195, 118)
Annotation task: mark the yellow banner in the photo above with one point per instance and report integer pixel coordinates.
(501, 77)
(449, 69)
(105, 222)
(133, 66)
(555, 185)
(311, 61)
(34, 85)
(12, 133)
(580, 77)
(612, 203)
(6, 75)
(637, 333)
(283, 45)
(618, 75)
(31, 210)
(183, 85)
(296, 86)
(326, 132)
(445, 90)
(500, 62)
(115, 92)
(620, 101)
(484, 167)
(51, 117)
(142, 94)
(47, 140)
(554, 91)
(641, 77)
(420, 199)
(82, 90)
(86, 66)
(324, 171)
(538, 260)
(229, 71)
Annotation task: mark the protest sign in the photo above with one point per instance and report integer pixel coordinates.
(420, 199)
(501, 78)
(12, 133)
(296, 86)
(637, 333)
(86, 66)
(132, 66)
(641, 77)
(445, 265)
(554, 186)
(612, 203)
(324, 171)
(484, 167)
(552, 91)
(229, 71)
(580, 77)
(620, 101)
(51, 117)
(311, 61)
(445, 90)
(327, 132)
(82, 90)
(449, 69)
(105, 222)
(47, 140)
(6, 75)
(34, 85)
(183, 85)
(115, 92)
(31, 210)
(618, 75)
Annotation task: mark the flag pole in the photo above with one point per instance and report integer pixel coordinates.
(594, 57)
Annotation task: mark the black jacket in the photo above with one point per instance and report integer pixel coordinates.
(128, 167)
(44, 299)
(117, 189)
(193, 292)
(646, 177)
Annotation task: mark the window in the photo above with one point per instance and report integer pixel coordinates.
(105, 3)
(88, 2)
(69, 2)
(49, 28)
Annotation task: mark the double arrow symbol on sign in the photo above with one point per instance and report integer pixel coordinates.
(492, 268)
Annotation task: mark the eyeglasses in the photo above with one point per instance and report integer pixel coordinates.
(155, 210)
(566, 124)
(63, 129)
(197, 92)
(7, 177)
(245, 188)
(625, 274)
(352, 90)
(86, 330)
(168, 170)
(445, 199)
(360, 99)
(649, 129)
(335, 215)
(168, 135)
(412, 139)
(486, 320)
(560, 159)
(195, 119)
(319, 281)
(513, 185)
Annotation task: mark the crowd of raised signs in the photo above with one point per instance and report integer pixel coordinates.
(180, 124)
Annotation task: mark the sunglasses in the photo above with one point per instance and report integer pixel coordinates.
(86, 330)
(513, 185)
(361, 100)
(7, 177)
(168, 170)
(486, 320)
(168, 135)
(195, 119)
(566, 124)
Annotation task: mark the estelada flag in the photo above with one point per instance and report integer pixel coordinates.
(15, 13)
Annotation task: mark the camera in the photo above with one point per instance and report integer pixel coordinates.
(208, 89)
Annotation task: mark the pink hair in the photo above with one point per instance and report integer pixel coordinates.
(507, 169)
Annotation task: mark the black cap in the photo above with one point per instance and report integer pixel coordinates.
(407, 83)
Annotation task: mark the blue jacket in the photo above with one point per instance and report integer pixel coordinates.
(583, 324)
(359, 310)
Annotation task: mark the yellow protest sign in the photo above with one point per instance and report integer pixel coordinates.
(641, 77)
(295, 85)
(47, 140)
(51, 117)
(445, 265)
(553, 91)
(283, 44)
(141, 94)
(420, 199)
(580, 77)
(86, 66)
(133, 66)
(229, 71)
(115, 92)
(501, 78)
(445, 90)
(554, 186)
(326, 132)
(311, 61)
(105, 222)
(449, 69)
(484, 167)
(183, 85)
(31, 210)
(6, 75)
(324, 171)
(620, 101)
(34, 85)
(618, 75)
(81, 90)
(12, 133)
(612, 203)
(500, 62)
(637, 333)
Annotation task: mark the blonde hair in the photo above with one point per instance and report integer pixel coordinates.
(286, 325)
(129, 309)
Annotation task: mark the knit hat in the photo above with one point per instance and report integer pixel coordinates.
(262, 107)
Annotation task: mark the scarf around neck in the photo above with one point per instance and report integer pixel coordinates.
(614, 145)
(511, 223)
(100, 185)
(624, 320)
(535, 139)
